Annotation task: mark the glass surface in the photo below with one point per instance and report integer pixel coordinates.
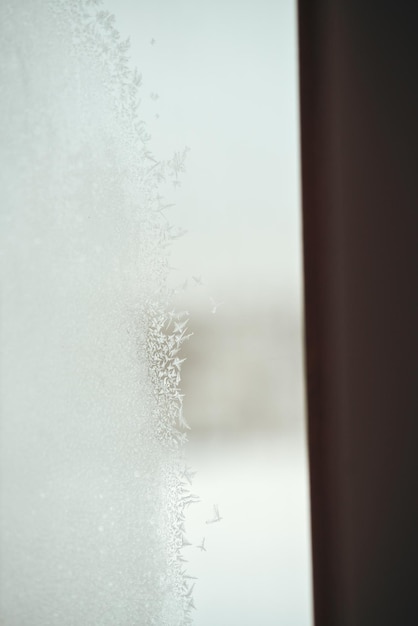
(221, 78)
(105, 517)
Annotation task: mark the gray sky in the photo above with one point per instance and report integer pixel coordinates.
(225, 72)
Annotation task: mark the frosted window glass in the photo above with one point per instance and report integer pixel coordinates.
(119, 330)
(92, 489)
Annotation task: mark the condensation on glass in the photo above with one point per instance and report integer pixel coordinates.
(93, 489)
(118, 333)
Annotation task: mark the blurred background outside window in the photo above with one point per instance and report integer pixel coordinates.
(221, 79)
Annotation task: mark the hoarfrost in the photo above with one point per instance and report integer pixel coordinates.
(93, 490)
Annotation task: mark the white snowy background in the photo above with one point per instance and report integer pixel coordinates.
(221, 78)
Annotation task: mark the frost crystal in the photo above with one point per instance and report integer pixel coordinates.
(93, 491)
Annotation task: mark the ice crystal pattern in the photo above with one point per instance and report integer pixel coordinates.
(93, 490)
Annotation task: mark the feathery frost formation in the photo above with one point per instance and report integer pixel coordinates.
(93, 491)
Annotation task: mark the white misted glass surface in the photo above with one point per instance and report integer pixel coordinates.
(99, 521)
(226, 77)
(93, 489)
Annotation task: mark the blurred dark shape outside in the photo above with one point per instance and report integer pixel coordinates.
(243, 372)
